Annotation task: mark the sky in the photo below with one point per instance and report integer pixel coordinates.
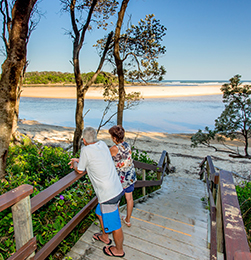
(205, 39)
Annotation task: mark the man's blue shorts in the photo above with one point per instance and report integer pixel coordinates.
(110, 214)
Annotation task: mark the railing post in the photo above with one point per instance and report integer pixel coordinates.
(144, 178)
(22, 222)
(158, 175)
(220, 241)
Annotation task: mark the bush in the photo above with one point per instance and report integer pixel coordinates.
(244, 197)
(41, 166)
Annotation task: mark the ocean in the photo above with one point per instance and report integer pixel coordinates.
(190, 83)
(170, 115)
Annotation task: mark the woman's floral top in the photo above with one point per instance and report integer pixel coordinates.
(124, 165)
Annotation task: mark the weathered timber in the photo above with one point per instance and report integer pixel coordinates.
(220, 235)
(242, 255)
(234, 231)
(143, 179)
(13, 196)
(22, 222)
(25, 250)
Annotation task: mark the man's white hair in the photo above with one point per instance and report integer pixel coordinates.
(90, 135)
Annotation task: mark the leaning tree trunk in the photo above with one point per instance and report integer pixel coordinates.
(19, 91)
(246, 144)
(11, 70)
(119, 63)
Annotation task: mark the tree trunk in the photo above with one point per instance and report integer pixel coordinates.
(11, 70)
(119, 63)
(16, 113)
(80, 102)
(246, 144)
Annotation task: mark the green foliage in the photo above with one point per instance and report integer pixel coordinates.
(244, 197)
(41, 166)
(150, 175)
(53, 77)
(237, 114)
(142, 157)
(203, 137)
(140, 47)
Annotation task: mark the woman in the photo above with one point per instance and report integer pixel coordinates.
(122, 157)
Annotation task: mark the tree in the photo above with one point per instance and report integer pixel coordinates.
(15, 34)
(135, 53)
(100, 10)
(33, 22)
(235, 120)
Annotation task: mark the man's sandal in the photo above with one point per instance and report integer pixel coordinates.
(127, 223)
(110, 251)
(97, 238)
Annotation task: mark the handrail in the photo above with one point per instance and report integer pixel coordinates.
(161, 168)
(46, 195)
(13, 196)
(25, 251)
(22, 192)
(228, 234)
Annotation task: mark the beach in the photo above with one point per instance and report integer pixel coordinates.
(184, 159)
(146, 91)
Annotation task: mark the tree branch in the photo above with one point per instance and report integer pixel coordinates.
(94, 2)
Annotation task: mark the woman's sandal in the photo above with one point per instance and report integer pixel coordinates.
(97, 238)
(127, 223)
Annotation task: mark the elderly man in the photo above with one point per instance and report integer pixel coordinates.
(96, 159)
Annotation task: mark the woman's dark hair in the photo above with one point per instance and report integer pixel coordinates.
(118, 132)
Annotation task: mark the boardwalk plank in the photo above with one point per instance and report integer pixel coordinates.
(191, 240)
(198, 220)
(183, 227)
(130, 252)
(159, 238)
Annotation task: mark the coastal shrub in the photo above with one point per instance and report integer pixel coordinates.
(142, 157)
(244, 197)
(41, 166)
(233, 123)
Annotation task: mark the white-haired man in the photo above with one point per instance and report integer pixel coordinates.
(96, 159)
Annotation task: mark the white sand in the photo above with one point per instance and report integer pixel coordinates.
(146, 91)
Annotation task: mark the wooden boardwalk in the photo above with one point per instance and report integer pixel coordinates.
(171, 224)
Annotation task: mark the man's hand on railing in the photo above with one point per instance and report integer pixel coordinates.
(74, 165)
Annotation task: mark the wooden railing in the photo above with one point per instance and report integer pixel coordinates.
(23, 207)
(227, 231)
